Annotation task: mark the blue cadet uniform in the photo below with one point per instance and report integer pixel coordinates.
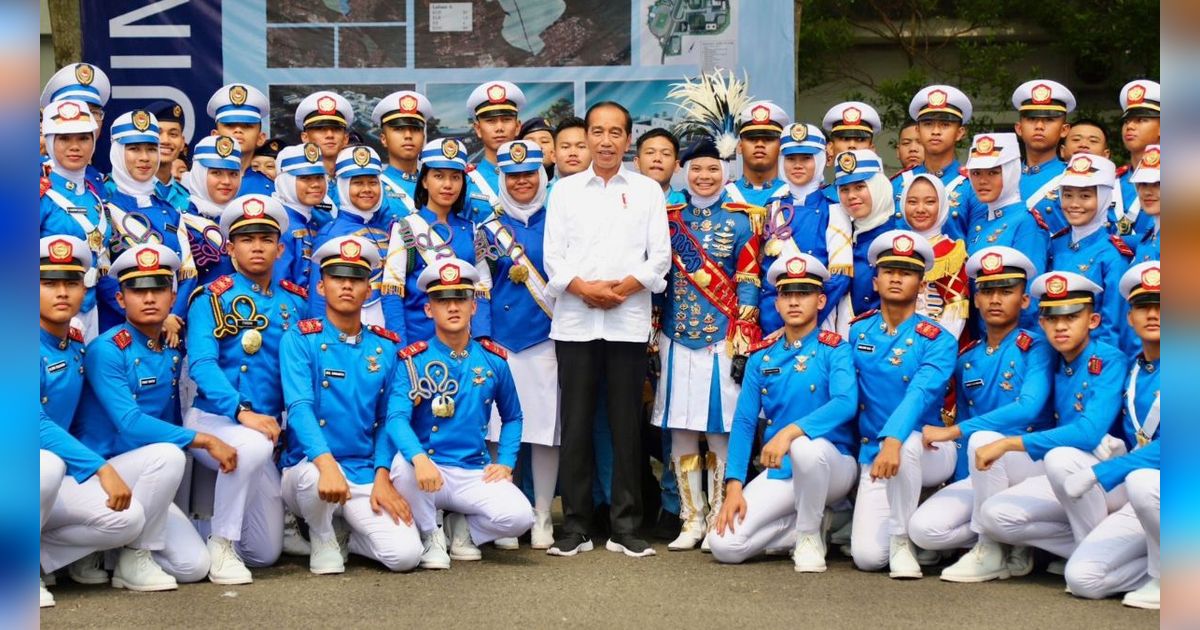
(419, 240)
(71, 205)
(804, 225)
(999, 390)
(400, 110)
(172, 191)
(440, 402)
(335, 385)
(1091, 251)
(808, 382)
(1043, 98)
(902, 377)
(243, 104)
(493, 99)
(1139, 99)
(943, 103)
(383, 308)
(325, 109)
(1149, 171)
(759, 120)
(139, 216)
(864, 166)
(88, 84)
(292, 163)
(202, 215)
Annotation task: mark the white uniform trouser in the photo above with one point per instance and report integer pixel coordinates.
(1143, 488)
(779, 510)
(1111, 559)
(493, 510)
(948, 519)
(1027, 514)
(52, 471)
(883, 507)
(375, 536)
(1085, 512)
(247, 508)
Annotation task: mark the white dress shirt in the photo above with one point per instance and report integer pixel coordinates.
(605, 231)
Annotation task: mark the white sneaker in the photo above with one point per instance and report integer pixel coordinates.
(809, 554)
(1019, 562)
(508, 544)
(47, 598)
(542, 534)
(227, 567)
(901, 561)
(293, 543)
(984, 562)
(434, 555)
(459, 533)
(326, 557)
(89, 569)
(137, 571)
(1057, 567)
(1145, 597)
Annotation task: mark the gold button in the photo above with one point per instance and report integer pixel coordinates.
(45, 399)
(430, 451)
(864, 440)
(770, 422)
(433, 428)
(325, 384)
(321, 422)
(324, 346)
(244, 368)
(764, 390)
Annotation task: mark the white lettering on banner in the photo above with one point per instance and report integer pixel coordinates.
(150, 61)
(123, 25)
(156, 92)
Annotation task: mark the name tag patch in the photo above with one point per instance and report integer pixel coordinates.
(866, 347)
(147, 382)
(773, 370)
(972, 384)
(56, 367)
(335, 374)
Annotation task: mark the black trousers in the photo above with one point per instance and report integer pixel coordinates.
(580, 367)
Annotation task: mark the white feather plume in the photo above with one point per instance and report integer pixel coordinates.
(709, 106)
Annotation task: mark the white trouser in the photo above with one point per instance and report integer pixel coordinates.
(1142, 485)
(80, 522)
(375, 536)
(1111, 559)
(52, 471)
(947, 520)
(493, 510)
(186, 556)
(779, 510)
(247, 508)
(1027, 514)
(884, 507)
(1086, 512)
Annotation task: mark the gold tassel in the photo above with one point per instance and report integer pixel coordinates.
(743, 276)
(949, 264)
(390, 289)
(689, 463)
(186, 273)
(842, 270)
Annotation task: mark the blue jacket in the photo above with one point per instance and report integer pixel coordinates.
(348, 223)
(62, 379)
(1033, 180)
(294, 264)
(158, 223)
(519, 322)
(85, 201)
(751, 194)
(1016, 227)
(254, 182)
(862, 285)
(1111, 473)
(1102, 259)
(1087, 399)
(174, 194)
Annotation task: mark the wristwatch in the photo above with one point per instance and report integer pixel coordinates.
(243, 406)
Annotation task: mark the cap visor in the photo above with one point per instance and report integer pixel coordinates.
(405, 121)
(801, 151)
(999, 283)
(850, 133)
(1063, 309)
(1142, 112)
(1145, 298)
(61, 274)
(1043, 113)
(524, 167)
(147, 282)
(946, 116)
(798, 287)
(257, 227)
(451, 294)
(852, 178)
(346, 270)
(899, 264)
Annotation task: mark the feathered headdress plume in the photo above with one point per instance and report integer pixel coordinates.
(710, 105)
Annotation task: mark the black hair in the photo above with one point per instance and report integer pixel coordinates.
(1092, 122)
(570, 122)
(658, 132)
(628, 119)
(421, 194)
(907, 123)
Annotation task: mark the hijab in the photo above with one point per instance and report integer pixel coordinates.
(523, 211)
(125, 182)
(943, 205)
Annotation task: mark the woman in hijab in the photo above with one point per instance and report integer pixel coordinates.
(299, 185)
(945, 296)
(1147, 178)
(866, 197)
(212, 181)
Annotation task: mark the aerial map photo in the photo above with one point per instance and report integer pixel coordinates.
(687, 31)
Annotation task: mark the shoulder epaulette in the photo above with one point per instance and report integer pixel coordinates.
(963, 171)
(830, 338)
(413, 350)
(1120, 245)
(122, 339)
(929, 330)
(766, 342)
(969, 347)
(1037, 217)
(1024, 341)
(1061, 232)
(1121, 171)
(43, 186)
(734, 206)
(385, 333)
(292, 287)
(310, 326)
(74, 334)
(1095, 365)
(865, 315)
(491, 346)
(893, 177)
(675, 207)
(471, 167)
(220, 285)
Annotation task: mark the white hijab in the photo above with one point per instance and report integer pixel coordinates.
(285, 192)
(344, 205)
(802, 192)
(706, 202)
(943, 205)
(75, 177)
(1104, 199)
(125, 182)
(1010, 191)
(523, 211)
(882, 205)
(196, 183)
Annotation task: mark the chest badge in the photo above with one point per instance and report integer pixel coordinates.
(801, 363)
(372, 364)
(897, 356)
(478, 378)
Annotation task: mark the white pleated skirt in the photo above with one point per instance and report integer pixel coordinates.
(686, 398)
(535, 373)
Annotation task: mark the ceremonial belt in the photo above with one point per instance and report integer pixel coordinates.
(94, 232)
(533, 281)
(1041, 193)
(409, 203)
(1144, 432)
(404, 235)
(130, 228)
(703, 272)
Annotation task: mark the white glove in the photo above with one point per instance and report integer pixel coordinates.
(1080, 482)
(1109, 448)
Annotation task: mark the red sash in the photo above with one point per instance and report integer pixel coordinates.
(688, 255)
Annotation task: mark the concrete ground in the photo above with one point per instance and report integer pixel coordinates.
(600, 589)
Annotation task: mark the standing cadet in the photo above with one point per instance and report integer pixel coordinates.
(1110, 559)
(908, 146)
(336, 376)
(115, 522)
(802, 380)
(944, 296)
(1140, 128)
(903, 361)
(171, 145)
(657, 157)
(865, 195)
(324, 118)
(495, 106)
(213, 181)
(234, 327)
(300, 185)
(439, 404)
(1042, 107)
(1147, 178)
(71, 202)
(264, 157)
(760, 126)
(851, 126)
(401, 118)
(571, 152)
(540, 132)
(130, 409)
(87, 83)
(1087, 398)
(1002, 385)
(237, 111)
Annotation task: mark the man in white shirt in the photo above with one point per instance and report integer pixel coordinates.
(607, 249)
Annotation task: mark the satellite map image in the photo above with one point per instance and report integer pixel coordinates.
(670, 21)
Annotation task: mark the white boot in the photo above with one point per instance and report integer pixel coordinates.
(293, 543)
(227, 566)
(326, 557)
(1145, 597)
(1020, 561)
(809, 554)
(985, 561)
(542, 534)
(716, 494)
(461, 546)
(47, 598)
(89, 569)
(137, 571)
(434, 555)
(691, 503)
(901, 561)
